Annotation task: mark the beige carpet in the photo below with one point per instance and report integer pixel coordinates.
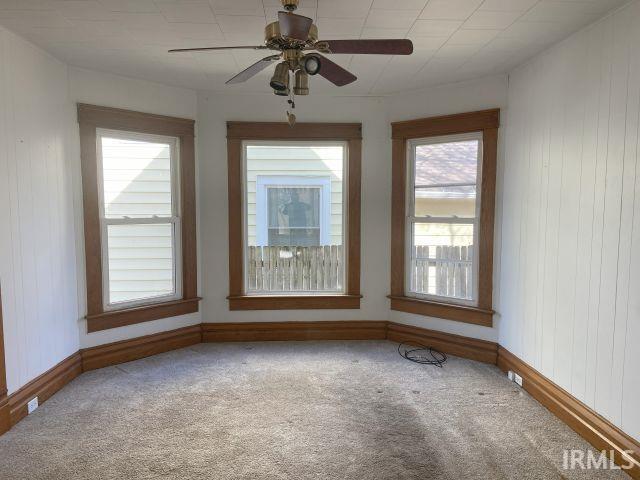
(295, 410)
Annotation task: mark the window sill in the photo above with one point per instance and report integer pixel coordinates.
(448, 311)
(294, 302)
(144, 313)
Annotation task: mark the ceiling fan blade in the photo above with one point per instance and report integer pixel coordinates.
(335, 73)
(379, 47)
(204, 49)
(294, 26)
(253, 70)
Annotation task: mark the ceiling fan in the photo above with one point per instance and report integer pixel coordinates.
(296, 39)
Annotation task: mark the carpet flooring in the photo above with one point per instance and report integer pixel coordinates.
(291, 410)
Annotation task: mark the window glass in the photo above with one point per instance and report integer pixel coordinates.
(442, 260)
(294, 215)
(140, 261)
(445, 179)
(140, 218)
(137, 178)
(442, 217)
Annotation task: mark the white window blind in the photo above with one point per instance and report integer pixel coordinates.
(140, 218)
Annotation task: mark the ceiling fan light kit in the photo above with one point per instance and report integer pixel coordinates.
(280, 79)
(295, 37)
(290, 5)
(311, 64)
(301, 86)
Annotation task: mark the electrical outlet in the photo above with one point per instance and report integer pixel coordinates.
(32, 405)
(510, 375)
(517, 378)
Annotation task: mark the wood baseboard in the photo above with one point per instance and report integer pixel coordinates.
(598, 431)
(134, 349)
(43, 386)
(474, 349)
(282, 331)
(5, 416)
(5, 422)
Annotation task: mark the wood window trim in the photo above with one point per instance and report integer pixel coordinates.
(487, 122)
(237, 133)
(91, 118)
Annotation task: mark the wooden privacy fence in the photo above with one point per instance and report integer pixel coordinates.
(293, 268)
(443, 270)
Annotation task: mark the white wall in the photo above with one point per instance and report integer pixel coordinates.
(570, 270)
(37, 254)
(375, 115)
(87, 86)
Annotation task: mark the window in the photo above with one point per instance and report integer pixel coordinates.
(293, 209)
(296, 244)
(293, 216)
(443, 201)
(140, 217)
(441, 218)
(138, 187)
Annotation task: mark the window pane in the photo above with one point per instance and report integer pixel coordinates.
(445, 179)
(141, 262)
(137, 178)
(293, 207)
(294, 217)
(442, 260)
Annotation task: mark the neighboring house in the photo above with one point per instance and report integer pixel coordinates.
(445, 180)
(294, 194)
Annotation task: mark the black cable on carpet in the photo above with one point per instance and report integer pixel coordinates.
(421, 354)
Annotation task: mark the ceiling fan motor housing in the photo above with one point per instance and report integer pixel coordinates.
(274, 39)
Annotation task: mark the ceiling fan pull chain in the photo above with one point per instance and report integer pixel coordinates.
(291, 116)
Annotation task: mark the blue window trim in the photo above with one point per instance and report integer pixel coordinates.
(264, 181)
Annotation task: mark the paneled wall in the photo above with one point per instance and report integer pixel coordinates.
(570, 263)
(37, 236)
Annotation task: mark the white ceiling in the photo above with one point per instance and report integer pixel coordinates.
(454, 40)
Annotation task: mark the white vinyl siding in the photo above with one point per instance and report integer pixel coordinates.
(290, 161)
(139, 217)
